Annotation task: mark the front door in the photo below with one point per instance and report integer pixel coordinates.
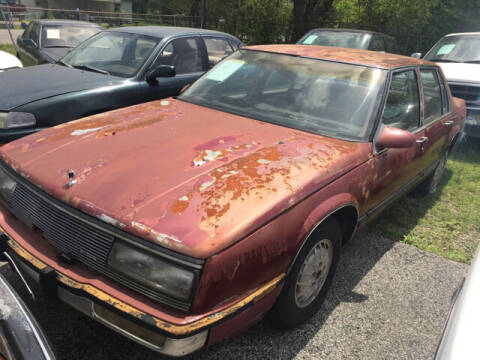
(395, 170)
(186, 55)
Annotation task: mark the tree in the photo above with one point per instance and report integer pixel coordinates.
(308, 14)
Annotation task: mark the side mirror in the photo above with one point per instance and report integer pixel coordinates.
(162, 71)
(417, 55)
(393, 138)
(29, 43)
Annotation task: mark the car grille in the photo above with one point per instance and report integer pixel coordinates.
(75, 237)
(471, 94)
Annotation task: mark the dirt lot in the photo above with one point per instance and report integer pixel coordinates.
(389, 301)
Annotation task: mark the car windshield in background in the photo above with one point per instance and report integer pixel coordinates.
(66, 35)
(116, 53)
(344, 39)
(461, 48)
(322, 97)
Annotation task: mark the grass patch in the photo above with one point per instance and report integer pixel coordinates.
(8, 48)
(446, 223)
(26, 61)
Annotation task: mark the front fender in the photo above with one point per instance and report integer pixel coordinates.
(324, 210)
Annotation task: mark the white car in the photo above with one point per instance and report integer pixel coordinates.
(460, 338)
(9, 61)
(459, 57)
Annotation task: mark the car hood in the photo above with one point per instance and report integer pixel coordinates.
(8, 61)
(189, 178)
(56, 53)
(461, 72)
(23, 86)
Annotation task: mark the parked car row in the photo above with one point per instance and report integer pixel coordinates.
(459, 57)
(184, 217)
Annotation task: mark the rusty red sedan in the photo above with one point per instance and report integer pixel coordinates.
(181, 222)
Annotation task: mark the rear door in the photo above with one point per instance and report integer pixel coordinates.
(437, 118)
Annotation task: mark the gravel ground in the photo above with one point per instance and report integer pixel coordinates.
(388, 301)
(5, 39)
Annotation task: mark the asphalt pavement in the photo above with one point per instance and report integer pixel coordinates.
(5, 39)
(388, 301)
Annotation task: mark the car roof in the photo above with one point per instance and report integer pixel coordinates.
(348, 30)
(166, 31)
(465, 33)
(352, 56)
(66, 22)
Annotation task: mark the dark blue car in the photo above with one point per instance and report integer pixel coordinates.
(113, 69)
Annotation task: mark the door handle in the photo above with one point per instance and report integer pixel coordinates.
(448, 123)
(422, 140)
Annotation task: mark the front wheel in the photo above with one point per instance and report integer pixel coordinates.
(310, 277)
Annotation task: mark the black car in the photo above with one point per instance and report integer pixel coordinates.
(350, 38)
(114, 68)
(46, 41)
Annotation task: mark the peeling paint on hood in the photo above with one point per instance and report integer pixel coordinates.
(186, 177)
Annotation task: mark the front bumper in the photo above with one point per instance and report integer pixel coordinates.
(151, 331)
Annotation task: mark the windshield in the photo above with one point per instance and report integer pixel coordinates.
(119, 54)
(317, 96)
(458, 48)
(344, 39)
(66, 35)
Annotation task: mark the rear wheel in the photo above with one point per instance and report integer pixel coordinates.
(430, 185)
(310, 277)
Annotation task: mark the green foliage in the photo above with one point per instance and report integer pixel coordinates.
(263, 21)
(416, 25)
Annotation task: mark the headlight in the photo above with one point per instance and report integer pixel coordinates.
(148, 269)
(14, 119)
(7, 185)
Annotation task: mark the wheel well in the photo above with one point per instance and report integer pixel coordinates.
(347, 219)
(456, 140)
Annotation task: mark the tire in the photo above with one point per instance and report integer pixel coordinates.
(430, 185)
(303, 296)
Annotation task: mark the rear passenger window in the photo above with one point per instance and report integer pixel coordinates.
(402, 109)
(432, 95)
(445, 99)
(217, 49)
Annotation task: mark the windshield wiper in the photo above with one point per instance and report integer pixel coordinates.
(472, 61)
(445, 60)
(91, 68)
(63, 63)
(56, 46)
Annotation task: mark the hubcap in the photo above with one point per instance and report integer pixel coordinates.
(313, 273)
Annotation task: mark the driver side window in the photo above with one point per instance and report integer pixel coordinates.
(402, 109)
(184, 54)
